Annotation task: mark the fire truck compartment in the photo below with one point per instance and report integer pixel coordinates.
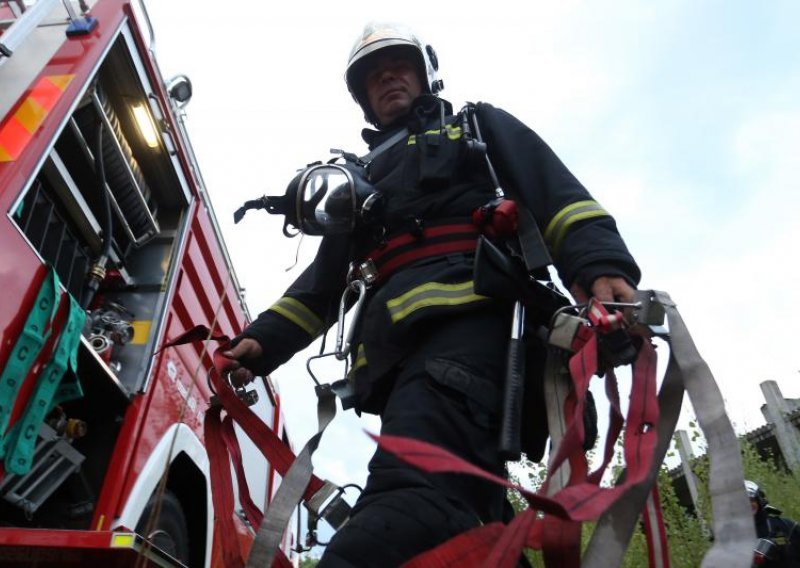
(110, 202)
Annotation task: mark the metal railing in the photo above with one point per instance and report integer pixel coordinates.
(28, 17)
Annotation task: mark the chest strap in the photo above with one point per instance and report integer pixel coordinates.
(429, 242)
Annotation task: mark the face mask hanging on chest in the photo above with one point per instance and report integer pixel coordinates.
(323, 199)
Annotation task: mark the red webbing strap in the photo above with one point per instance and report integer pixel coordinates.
(427, 251)
(586, 501)
(615, 423)
(582, 499)
(253, 513)
(561, 542)
(467, 549)
(274, 449)
(220, 438)
(427, 234)
(560, 538)
(654, 531)
(281, 561)
(222, 492)
(506, 551)
(734, 530)
(434, 459)
(430, 242)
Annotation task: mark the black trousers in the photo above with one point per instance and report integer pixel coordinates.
(447, 393)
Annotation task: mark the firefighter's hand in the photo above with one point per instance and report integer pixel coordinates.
(605, 289)
(246, 349)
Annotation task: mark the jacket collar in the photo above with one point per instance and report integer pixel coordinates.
(419, 115)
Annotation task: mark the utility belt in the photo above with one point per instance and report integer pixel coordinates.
(496, 219)
(431, 241)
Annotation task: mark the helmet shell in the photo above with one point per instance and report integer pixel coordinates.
(377, 37)
(755, 493)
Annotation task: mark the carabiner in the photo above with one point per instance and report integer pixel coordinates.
(343, 346)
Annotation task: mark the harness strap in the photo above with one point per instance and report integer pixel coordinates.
(22, 442)
(298, 482)
(291, 490)
(28, 346)
(654, 531)
(222, 492)
(645, 442)
(57, 352)
(468, 549)
(366, 159)
(433, 241)
(251, 510)
(733, 524)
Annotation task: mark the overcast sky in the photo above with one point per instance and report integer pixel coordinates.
(682, 118)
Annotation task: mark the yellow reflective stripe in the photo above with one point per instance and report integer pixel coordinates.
(361, 358)
(560, 224)
(141, 331)
(453, 133)
(31, 114)
(299, 314)
(432, 294)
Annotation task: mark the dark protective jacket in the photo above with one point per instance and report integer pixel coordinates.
(425, 179)
(785, 534)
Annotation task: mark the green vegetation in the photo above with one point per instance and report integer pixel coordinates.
(307, 561)
(687, 535)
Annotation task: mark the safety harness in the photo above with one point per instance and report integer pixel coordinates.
(571, 493)
(322, 499)
(432, 241)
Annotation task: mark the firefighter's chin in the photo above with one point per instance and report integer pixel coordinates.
(392, 106)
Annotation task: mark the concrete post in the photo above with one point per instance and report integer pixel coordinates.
(785, 433)
(685, 451)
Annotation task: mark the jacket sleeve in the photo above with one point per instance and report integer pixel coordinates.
(581, 236)
(306, 310)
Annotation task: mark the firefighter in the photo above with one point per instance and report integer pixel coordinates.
(778, 543)
(430, 352)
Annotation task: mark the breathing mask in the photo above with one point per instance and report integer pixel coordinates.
(323, 199)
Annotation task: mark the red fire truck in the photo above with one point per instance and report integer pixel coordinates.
(108, 248)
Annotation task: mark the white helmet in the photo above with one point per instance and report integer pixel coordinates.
(378, 36)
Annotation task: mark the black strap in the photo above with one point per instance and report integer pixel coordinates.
(534, 250)
(381, 148)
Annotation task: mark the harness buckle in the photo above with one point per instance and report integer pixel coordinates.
(328, 503)
(564, 329)
(249, 397)
(365, 271)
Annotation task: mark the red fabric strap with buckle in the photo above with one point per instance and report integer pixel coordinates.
(582, 499)
(223, 448)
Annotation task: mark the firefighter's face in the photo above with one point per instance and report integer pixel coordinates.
(392, 85)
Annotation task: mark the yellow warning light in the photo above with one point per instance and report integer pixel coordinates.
(145, 123)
